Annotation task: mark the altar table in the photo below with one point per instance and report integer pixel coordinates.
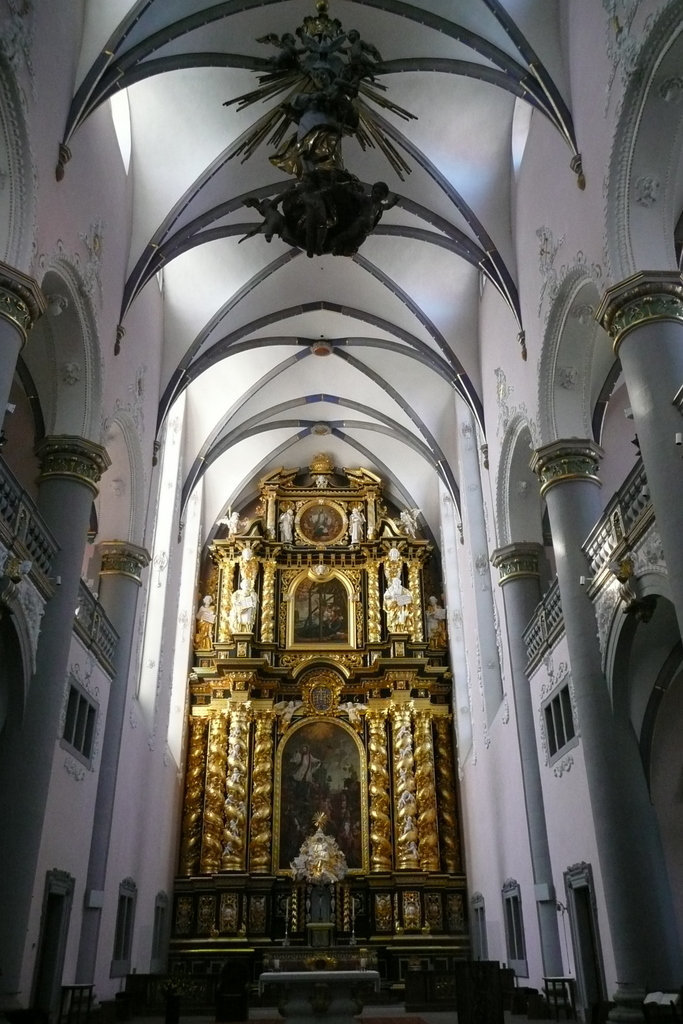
(332, 997)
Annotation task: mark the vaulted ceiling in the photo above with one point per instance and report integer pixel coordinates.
(241, 321)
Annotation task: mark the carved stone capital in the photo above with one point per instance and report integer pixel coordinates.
(72, 458)
(517, 561)
(571, 459)
(21, 300)
(121, 558)
(646, 297)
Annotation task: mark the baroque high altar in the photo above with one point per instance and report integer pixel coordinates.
(320, 690)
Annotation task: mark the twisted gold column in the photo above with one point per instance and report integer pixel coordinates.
(415, 587)
(268, 603)
(428, 845)
(405, 806)
(260, 828)
(445, 787)
(191, 841)
(374, 620)
(227, 581)
(212, 824)
(234, 846)
(380, 805)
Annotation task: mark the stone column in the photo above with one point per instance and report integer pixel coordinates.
(632, 867)
(70, 470)
(21, 304)
(120, 574)
(519, 577)
(644, 317)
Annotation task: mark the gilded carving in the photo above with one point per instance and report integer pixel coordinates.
(373, 616)
(260, 829)
(516, 561)
(123, 559)
(566, 460)
(445, 787)
(405, 806)
(21, 300)
(268, 602)
(455, 912)
(183, 915)
(640, 299)
(233, 838)
(434, 911)
(380, 806)
(73, 458)
(227, 582)
(428, 845)
(214, 796)
(383, 916)
(228, 913)
(206, 914)
(190, 845)
(415, 587)
(412, 911)
(257, 914)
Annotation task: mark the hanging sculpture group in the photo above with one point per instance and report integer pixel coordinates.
(328, 75)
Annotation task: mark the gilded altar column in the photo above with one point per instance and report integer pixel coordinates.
(268, 602)
(21, 304)
(261, 824)
(519, 579)
(428, 842)
(644, 317)
(415, 587)
(637, 894)
(234, 851)
(374, 620)
(447, 807)
(380, 804)
(214, 794)
(121, 569)
(70, 471)
(195, 773)
(405, 806)
(226, 585)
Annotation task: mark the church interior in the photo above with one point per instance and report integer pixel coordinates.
(341, 503)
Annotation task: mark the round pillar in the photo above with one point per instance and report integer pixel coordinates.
(70, 470)
(641, 921)
(519, 578)
(21, 304)
(120, 574)
(644, 317)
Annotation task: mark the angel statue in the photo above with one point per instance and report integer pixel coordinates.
(232, 521)
(285, 709)
(408, 519)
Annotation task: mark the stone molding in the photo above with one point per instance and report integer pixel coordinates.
(72, 458)
(21, 300)
(517, 561)
(565, 460)
(647, 297)
(121, 558)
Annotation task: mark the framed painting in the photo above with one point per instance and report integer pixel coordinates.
(321, 611)
(321, 522)
(321, 769)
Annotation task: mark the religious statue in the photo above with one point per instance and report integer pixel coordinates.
(436, 623)
(398, 604)
(243, 608)
(356, 520)
(232, 521)
(206, 617)
(408, 519)
(287, 526)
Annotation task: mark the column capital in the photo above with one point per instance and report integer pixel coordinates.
(121, 558)
(570, 459)
(517, 561)
(21, 300)
(72, 458)
(646, 297)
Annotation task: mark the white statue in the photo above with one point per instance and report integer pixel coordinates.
(408, 519)
(243, 608)
(436, 623)
(232, 522)
(287, 526)
(398, 604)
(356, 520)
(285, 709)
(206, 616)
